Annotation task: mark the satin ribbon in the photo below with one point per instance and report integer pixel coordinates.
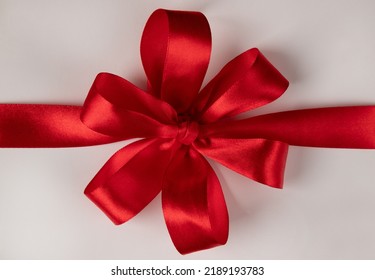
(179, 127)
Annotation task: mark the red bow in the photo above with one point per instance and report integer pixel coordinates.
(179, 126)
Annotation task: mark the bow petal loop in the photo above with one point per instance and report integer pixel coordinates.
(175, 50)
(259, 159)
(117, 108)
(130, 179)
(193, 203)
(247, 82)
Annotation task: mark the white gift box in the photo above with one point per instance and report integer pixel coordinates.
(50, 52)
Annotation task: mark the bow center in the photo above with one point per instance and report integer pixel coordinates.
(187, 132)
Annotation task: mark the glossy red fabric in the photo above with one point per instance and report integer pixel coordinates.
(180, 126)
(33, 126)
(193, 203)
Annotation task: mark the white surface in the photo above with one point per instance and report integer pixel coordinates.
(50, 52)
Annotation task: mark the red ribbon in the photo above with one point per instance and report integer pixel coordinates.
(179, 126)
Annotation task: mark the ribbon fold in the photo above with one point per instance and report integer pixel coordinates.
(180, 124)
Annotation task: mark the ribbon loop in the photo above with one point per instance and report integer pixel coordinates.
(175, 50)
(116, 107)
(247, 82)
(130, 179)
(193, 203)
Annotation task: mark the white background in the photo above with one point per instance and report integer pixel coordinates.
(50, 52)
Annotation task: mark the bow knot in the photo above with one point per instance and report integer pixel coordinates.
(187, 132)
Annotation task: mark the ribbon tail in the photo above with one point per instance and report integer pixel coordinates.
(335, 127)
(49, 126)
(261, 160)
(130, 179)
(193, 203)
